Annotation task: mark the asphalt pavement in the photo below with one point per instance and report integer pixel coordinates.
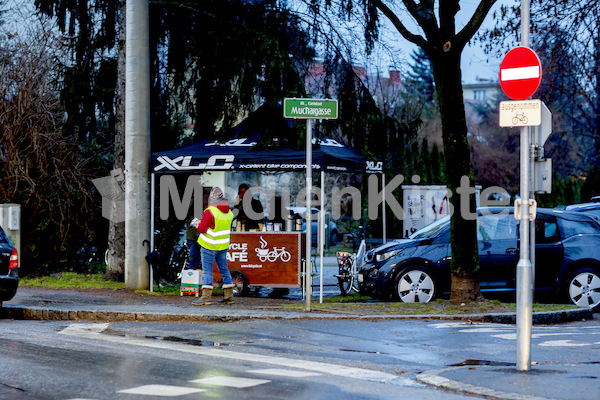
(490, 381)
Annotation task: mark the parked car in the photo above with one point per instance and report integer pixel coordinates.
(567, 259)
(588, 208)
(9, 268)
(300, 212)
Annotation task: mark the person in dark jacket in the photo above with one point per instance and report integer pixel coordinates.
(191, 238)
(249, 219)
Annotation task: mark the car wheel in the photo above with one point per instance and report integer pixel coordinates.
(240, 284)
(583, 288)
(333, 239)
(415, 285)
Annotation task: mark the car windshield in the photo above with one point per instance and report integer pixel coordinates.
(431, 229)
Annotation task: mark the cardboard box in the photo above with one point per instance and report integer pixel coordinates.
(190, 281)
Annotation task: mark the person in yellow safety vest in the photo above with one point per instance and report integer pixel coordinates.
(215, 229)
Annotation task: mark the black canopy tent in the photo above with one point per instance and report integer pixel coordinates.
(264, 141)
(252, 148)
(239, 154)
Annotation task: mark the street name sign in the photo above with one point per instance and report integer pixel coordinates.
(520, 73)
(310, 108)
(520, 113)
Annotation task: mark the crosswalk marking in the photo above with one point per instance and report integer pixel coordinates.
(162, 390)
(230, 381)
(284, 372)
(93, 331)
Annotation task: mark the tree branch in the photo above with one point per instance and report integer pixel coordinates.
(400, 27)
(467, 32)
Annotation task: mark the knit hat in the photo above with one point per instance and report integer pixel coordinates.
(216, 195)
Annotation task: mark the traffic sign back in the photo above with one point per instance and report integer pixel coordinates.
(520, 73)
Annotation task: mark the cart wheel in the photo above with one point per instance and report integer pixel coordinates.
(241, 283)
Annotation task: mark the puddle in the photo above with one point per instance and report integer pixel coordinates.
(191, 342)
(362, 351)
(483, 362)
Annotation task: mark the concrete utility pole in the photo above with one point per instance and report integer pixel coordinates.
(137, 144)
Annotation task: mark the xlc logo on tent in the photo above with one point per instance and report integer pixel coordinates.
(184, 163)
(520, 73)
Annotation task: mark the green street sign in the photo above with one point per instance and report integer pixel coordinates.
(310, 108)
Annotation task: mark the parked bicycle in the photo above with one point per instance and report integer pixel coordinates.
(179, 260)
(349, 263)
(90, 260)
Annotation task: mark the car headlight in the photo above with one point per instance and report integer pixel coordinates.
(384, 256)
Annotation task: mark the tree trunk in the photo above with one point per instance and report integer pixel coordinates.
(465, 259)
(597, 105)
(115, 269)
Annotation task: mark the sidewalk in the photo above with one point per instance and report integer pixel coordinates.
(579, 381)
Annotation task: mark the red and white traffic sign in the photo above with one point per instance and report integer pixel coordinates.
(520, 73)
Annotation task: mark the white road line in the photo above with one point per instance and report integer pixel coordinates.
(161, 390)
(290, 373)
(93, 331)
(230, 381)
(563, 343)
(513, 336)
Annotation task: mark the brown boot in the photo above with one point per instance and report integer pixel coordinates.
(204, 300)
(227, 294)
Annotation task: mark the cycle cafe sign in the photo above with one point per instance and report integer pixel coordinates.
(266, 258)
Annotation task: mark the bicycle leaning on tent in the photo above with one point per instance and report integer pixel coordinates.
(349, 263)
(179, 260)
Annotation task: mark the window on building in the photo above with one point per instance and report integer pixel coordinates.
(479, 94)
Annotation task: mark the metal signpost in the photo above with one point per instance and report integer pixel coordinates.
(309, 109)
(520, 76)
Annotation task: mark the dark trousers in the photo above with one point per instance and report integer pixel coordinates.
(194, 261)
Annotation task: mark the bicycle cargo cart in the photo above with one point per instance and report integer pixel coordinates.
(264, 259)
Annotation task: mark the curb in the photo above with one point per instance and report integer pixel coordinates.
(45, 314)
(434, 378)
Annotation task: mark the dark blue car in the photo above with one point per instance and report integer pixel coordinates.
(592, 209)
(9, 268)
(567, 259)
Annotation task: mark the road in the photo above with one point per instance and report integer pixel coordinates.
(264, 359)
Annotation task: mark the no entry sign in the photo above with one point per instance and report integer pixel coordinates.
(520, 73)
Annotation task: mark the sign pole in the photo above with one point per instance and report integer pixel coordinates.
(524, 279)
(309, 109)
(307, 264)
(524, 296)
(324, 239)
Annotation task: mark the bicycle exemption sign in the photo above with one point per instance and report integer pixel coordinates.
(310, 108)
(520, 113)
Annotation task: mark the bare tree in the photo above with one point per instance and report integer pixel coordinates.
(115, 260)
(42, 169)
(443, 43)
(566, 36)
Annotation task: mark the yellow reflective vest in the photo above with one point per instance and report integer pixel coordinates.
(217, 238)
